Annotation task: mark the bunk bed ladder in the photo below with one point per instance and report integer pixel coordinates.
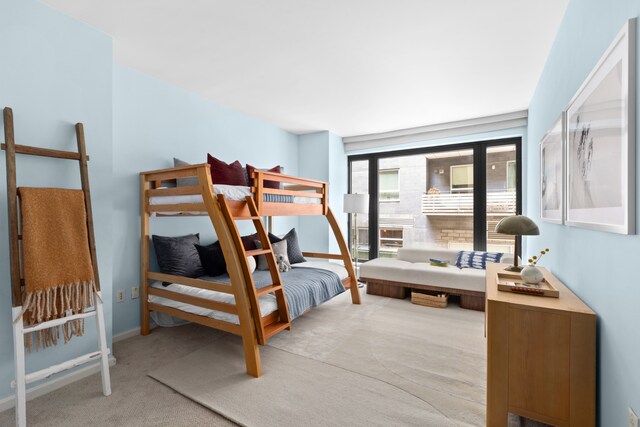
(263, 332)
(19, 329)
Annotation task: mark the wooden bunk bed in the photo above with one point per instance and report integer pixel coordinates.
(308, 197)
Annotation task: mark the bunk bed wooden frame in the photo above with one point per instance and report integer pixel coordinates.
(253, 328)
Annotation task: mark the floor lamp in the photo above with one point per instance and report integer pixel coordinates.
(355, 204)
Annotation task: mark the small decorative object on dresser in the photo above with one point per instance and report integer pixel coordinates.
(531, 273)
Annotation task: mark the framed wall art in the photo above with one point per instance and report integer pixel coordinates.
(552, 149)
(600, 142)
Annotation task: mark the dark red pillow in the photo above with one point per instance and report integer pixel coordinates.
(249, 241)
(267, 184)
(223, 173)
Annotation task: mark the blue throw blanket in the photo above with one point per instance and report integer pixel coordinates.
(304, 287)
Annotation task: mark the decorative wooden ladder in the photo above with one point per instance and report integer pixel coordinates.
(19, 330)
(263, 332)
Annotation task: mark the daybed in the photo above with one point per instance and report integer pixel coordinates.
(395, 277)
(253, 306)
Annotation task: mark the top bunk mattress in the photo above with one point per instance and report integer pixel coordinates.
(231, 192)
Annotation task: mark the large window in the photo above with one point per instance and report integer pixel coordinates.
(444, 196)
(389, 185)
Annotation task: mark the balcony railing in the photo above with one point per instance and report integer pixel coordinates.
(461, 204)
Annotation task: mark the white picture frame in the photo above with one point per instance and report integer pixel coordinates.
(600, 142)
(552, 176)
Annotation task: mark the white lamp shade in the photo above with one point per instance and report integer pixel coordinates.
(356, 203)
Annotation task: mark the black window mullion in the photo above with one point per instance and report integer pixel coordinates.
(480, 197)
(373, 208)
(519, 178)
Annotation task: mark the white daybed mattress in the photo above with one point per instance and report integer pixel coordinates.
(231, 192)
(267, 302)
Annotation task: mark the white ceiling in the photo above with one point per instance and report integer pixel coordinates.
(349, 66)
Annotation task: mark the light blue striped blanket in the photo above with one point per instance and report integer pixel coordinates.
(305, 287)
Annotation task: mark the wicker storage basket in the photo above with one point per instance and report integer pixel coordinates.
(439, 301)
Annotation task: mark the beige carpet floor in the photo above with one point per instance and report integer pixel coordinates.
(429, 363)
(137, 400)
(436, 356)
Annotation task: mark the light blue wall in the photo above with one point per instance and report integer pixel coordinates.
(598, 266)
(154, 122)
(313, 161)
(322, 157)
(339, 185)
(55, 72)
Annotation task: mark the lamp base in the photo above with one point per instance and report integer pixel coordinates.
(514, 268)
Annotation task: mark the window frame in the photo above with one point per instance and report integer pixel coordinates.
(480, 197)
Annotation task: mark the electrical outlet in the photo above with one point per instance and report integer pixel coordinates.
(633, 418)
(134, 292)
(120, 296)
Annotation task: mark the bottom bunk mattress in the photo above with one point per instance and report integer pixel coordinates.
(306, 285)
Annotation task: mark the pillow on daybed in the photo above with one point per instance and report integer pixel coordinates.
(212, 259)
(224, 173)
(478, 260)
(178, 255)
(267, 184)
(184, 182)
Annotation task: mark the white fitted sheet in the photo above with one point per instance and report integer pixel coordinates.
(267, 302)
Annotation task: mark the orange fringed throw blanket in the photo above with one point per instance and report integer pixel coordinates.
(58, 274)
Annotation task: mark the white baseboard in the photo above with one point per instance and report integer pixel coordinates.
(56, 383)
(128, 334)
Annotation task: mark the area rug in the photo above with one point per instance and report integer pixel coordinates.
(386, 362)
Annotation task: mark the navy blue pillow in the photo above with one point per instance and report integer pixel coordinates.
(212, 259)
(478, 260)
(178, 255)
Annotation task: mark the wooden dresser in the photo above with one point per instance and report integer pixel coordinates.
(541, 356)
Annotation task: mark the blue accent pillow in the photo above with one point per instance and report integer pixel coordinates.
(471, 259)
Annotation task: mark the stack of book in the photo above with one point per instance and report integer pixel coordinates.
(439, 262)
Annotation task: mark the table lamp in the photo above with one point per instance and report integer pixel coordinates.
(355, 204)
(517, 225)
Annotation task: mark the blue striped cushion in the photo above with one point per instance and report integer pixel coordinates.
(278, 198)
(471, 259)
